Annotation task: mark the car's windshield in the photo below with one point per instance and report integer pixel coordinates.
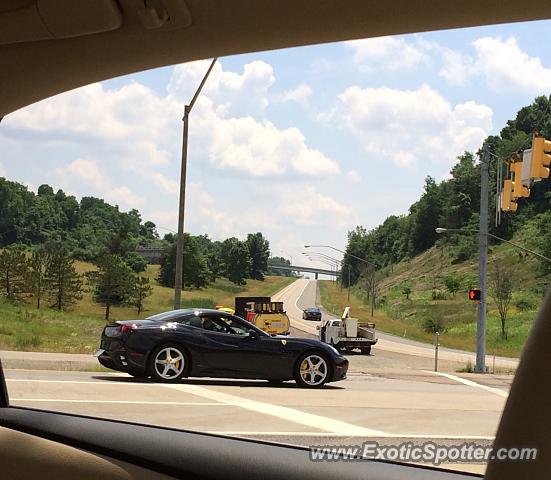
(365, 245)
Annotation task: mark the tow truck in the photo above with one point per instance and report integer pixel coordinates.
(348, 333)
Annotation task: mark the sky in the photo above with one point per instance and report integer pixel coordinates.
(302, 144)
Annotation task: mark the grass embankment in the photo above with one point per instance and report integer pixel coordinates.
(455, 314)
(24, 327)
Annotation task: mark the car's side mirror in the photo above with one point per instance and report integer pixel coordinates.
(252, 335)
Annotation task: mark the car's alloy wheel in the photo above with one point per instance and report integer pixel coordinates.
(168, 363)
(312, 371)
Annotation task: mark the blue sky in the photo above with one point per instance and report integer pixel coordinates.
(302, 144)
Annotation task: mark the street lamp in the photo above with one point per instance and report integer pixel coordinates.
(345, 253)
(179, 271)
(323, 255)
(327, 260)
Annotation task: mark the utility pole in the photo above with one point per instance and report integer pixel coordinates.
(348, 265)
(482, 263)
(179, 271)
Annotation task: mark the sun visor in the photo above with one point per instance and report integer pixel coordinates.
(28, 21)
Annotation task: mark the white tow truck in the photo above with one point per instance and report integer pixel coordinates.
(348, 333)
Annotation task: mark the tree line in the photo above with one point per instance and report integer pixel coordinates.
(205, 260)
(48, 275)
(454, 203)
(84, 227)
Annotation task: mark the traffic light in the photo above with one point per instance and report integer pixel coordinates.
(507, 202)
(475, 294)
(519, 190)
(539, 167)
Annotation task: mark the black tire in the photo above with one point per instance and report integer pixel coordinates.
(303, 374)
(176, 371)
(366, 350)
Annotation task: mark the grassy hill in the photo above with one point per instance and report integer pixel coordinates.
(23, 327)
(455, 316)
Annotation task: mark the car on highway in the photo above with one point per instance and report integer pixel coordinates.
(210, 343)
(311, 313)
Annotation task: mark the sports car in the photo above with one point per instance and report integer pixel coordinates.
(210, 343)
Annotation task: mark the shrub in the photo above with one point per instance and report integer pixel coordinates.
(524, 304)
(434, 324)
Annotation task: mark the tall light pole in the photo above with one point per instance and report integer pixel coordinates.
(332, 262)
(179, 272)
(343, 252)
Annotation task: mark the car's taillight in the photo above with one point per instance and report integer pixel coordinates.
(127, 328)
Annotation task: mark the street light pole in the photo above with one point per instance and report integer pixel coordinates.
(345, 253)
(482, 263)
(179, 270)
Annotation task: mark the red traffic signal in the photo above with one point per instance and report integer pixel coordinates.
(475, 294)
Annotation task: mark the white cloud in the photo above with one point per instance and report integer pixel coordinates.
(300, 94)
(166, 184)
(143, 130)
(257, 148)
(88, 172)
(236, 95)
(306, 206)
(354, 176)
(87, 175)
(409, 126)
(385, 53)
(502, 64)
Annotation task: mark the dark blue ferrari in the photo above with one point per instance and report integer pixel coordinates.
(209, 343)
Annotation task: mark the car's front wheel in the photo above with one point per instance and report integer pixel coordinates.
(312, 370)
(168, 363)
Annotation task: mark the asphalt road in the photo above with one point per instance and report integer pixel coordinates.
(303, 293)
(389, 397)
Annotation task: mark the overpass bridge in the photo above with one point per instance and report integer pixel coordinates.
(315, 271)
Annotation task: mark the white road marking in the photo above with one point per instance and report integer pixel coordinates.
(92, 382)
(131, 402)
(301, 293)
(470, 383)
(284, 413)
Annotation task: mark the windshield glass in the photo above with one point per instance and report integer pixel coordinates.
(387, 184)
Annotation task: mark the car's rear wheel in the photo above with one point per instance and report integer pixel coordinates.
(366, 350)
(168, 363)
(312, 370)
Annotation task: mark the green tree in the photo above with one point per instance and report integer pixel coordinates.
(196, 269)
(406, 289)
(62, 282)
(453, 283)
(37, 273)
(13, 273)
(276, 261)
(141, 289)
(259, 252)
(236, 260)
(501, 284)
(112, 283)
